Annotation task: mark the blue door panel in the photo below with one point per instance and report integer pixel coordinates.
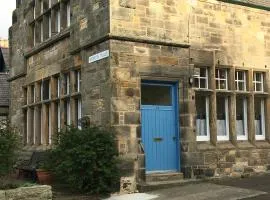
(160, 136)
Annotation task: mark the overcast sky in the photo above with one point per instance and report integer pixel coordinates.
(6, 8)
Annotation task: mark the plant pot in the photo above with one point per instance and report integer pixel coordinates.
(44, 176)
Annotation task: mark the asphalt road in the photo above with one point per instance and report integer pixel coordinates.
(258, 183)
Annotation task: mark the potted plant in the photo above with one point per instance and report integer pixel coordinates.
(43, 171)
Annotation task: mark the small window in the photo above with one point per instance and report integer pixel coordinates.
(78, 112)
(201, 78)
(221, 79)
(58, 87)
(222, 118)
(41, 31)
(202, 119)
(156, 95)
(50, 3)
(78, 81)
(41, 6)
(45, 87)
(68, 14)
(259, 111)
(33, 94)
(258, 81)
(50, 25)
(58, 21)
(67, 113)
(241, 118)
(67, 83)
(240, 81)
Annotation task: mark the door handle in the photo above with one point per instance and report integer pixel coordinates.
(157, 139)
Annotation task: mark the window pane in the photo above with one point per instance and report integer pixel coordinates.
(46, 89)
(217, 84)
(240, 123)
(202, 72)
(223, 84)
(156, 95)
(258, 87)
(258, 76)
(258, 116)
(222, 73)
(240, 75)
(196, 82)
(201, 126)
(221, 116)
(202, 83)
(241, 86)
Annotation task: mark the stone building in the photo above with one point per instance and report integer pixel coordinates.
(184, 83)
(4, 86)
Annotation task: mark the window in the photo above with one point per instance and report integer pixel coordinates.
(202, 119)
(58, 87)
(68, 14)
(58, 21)
(222, 118)
(50, 3)
(241, 118)
(221, 79)
(258, 81)
(67, 83)
(41, 6)
(41, 31)
(259, 109)
(50, 25)
(78, 81)
(34, 34)
(33, 94)
(45, 88)
(156, 95)
(201, 79)
(240, 81)
(58, 116)
(78, 112)
(67, 112)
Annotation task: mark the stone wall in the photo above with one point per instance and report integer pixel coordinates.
(27, 193)
(208, 25)
(96, 86)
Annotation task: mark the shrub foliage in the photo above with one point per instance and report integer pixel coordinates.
(86, 159)
(9, 144)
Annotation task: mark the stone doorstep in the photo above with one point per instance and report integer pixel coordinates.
(150, 186)
(156, 177)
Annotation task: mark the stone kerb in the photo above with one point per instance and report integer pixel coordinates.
(43, 192)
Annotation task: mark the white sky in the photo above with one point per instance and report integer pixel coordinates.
(6, 8)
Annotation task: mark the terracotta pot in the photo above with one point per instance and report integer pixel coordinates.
(44, 176)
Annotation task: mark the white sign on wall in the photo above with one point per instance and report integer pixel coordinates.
(99, 56)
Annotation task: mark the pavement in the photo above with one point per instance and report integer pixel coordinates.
(252, 188)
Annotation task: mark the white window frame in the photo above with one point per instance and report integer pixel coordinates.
(68, 14)
(58, 86)
(227, 131)
(78, 74)
(217, 78)
(50, 124)
(255, 81)
(206, 137)
(202, 77)
(41, 7)
(41, 31)
(261, 137)
(34, 33)
(58, 116)
(58, 28)
(237, 80)
(50, 25)
(244, 137)
(79, 113)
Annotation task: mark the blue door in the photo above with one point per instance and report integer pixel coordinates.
(160, 126)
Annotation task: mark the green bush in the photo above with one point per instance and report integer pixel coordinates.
(9, 144)
(86, 159)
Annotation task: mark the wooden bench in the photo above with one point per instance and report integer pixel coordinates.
(27, 167)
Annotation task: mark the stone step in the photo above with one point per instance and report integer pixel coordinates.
(150, 186)
(157, 177)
